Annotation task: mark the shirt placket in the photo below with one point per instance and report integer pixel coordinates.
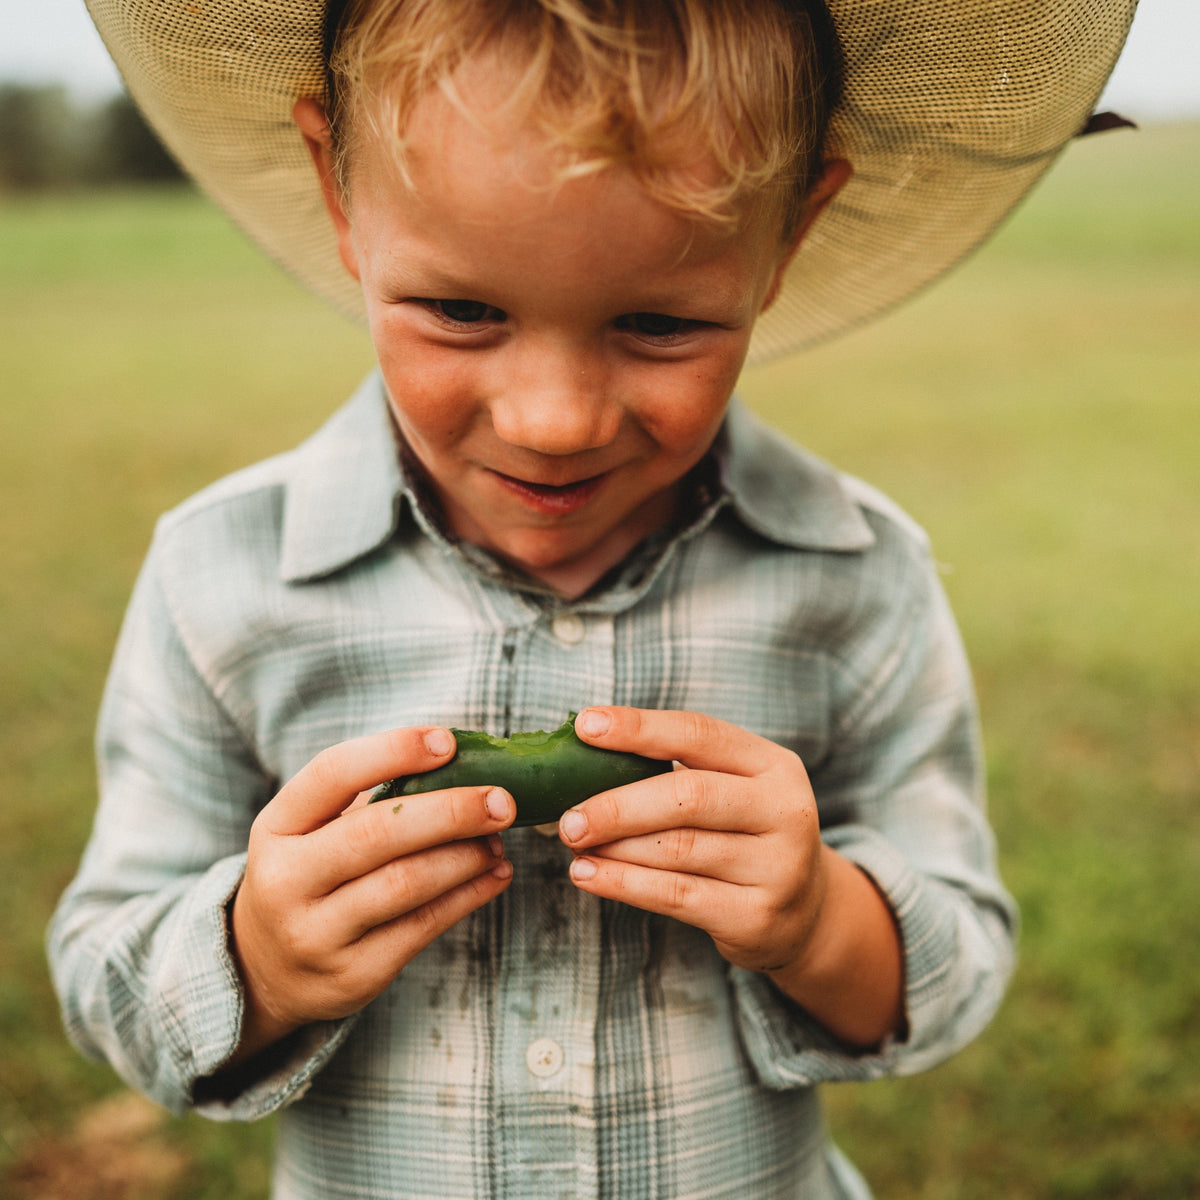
(549, 939)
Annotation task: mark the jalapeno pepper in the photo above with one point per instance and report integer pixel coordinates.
(545, 772)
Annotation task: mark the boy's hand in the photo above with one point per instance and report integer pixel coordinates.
(732, 845)
(339, 896)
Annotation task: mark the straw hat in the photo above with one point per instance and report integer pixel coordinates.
(951, 111)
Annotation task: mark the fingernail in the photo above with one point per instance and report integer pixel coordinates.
(502, 870)
(593, 721)
(583, 868)
(497, 804)
(439, 742)
(496, 845)
(573, 825)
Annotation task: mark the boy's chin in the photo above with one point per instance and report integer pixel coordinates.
(571, 554)
(569, 565)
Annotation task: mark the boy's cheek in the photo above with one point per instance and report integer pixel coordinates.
(348, 251)
(431, 424)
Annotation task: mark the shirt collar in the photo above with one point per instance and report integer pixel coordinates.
(785, 493)
(346, 485)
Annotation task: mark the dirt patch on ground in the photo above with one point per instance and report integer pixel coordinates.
(117, 1151)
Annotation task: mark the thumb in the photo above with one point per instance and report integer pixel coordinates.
(328, 784)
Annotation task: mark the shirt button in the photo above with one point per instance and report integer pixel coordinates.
(568, 628)
(544, 1058)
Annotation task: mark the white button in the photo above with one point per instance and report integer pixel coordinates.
(568, 628)
(544, 1058)
(548, 830)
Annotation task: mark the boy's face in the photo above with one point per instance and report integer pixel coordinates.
(557, 357)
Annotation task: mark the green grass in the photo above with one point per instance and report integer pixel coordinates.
(145, 349)
(1038, 412)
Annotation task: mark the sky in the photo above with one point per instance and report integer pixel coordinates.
(1158, 77)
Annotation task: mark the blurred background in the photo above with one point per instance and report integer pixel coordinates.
(1038, 412)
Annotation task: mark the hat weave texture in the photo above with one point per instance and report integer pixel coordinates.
(951, 111)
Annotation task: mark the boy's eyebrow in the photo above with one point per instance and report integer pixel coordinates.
(717, 305)
(434, 281)
(426, 275)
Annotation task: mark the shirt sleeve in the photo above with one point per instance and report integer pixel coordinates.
(139, 943)
(901, 795)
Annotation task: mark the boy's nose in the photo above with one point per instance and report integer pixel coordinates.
(554, 400)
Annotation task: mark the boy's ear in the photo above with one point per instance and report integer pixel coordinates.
(833, 178)
(312, 122)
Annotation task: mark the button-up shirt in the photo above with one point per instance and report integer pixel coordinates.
(552, 1043)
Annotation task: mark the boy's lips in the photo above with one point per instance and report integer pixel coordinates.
(554, 499)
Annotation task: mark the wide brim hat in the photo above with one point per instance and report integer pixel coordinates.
(951, 111)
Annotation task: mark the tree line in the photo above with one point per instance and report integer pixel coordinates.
(49, 140)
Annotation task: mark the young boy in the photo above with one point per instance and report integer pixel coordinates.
(565, 222)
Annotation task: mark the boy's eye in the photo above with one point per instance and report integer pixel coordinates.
(466, 312)
(653, 325)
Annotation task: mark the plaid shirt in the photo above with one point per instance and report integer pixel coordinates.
(552, 1044)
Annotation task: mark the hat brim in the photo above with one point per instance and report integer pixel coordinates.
(952, 110)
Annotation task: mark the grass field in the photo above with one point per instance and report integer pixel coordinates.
(1038, 412)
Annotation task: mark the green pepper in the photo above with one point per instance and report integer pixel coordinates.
(545, 773)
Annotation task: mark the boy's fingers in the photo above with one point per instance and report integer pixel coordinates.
(368, 838)
(703, 800)
(698, 741)
(405, 884)
(688, 898)
(331, 781)
(710, 853)
(400, 940)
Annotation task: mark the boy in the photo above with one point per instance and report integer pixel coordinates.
(566, 223)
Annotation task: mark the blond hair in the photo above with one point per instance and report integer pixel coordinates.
(657, 86)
